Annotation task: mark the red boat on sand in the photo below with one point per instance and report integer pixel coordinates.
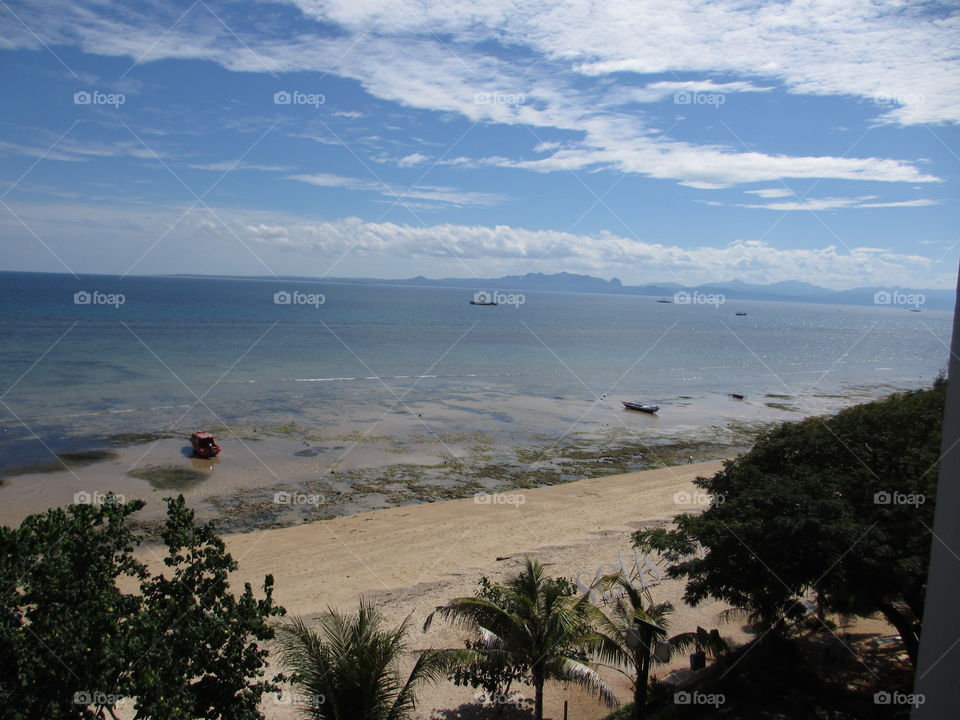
(204, 444)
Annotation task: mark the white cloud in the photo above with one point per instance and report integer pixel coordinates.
(70, 150)
(412, 160)
(230, 165)
(895, 56)
(87, 237)
(657, 91)
(431, 193)
(771, 192)
(898, 55)
(835, 203)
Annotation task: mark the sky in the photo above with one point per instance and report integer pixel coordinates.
(648, 140)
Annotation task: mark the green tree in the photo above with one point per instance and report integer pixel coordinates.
(84, 623)
(494, 674)
(536, 624)
(195, 640)
(837, 507)
(346, 667)
(635, 631)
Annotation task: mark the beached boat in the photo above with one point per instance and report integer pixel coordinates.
(204, 444)
(737, 396)
(640, 406)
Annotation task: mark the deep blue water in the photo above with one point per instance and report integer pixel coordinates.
(70, 369)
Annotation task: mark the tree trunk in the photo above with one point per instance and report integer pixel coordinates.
(642, 663)
(537, 694)
(903, 625)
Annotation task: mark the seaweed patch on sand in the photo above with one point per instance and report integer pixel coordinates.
(484, 467)
(169, 477)
(64, 461)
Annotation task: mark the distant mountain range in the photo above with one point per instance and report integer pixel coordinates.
(789, 290)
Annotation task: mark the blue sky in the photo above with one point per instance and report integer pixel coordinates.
(651, 141)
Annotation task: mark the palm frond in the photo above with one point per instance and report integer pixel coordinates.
(570, 670)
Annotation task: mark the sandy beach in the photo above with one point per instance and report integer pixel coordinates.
(410, 559)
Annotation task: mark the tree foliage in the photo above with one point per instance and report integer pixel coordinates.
(635, 628)
(840, 507)
(84, 623)
(345, 667)
(534, 623)
(494, 674)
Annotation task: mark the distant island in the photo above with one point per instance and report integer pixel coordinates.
(786, 291)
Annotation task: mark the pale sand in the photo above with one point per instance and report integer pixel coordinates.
(413, 558)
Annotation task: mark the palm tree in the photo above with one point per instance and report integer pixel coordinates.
(635, 635)
(538, 626)
(346, 667)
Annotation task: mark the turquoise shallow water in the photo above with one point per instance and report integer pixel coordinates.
(178, 352)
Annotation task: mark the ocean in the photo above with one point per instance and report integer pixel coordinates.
(88, 358)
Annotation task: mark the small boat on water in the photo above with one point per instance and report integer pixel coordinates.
(640, 406)
(664, 300)
(741, 313)
(204, 444)
(914, 309)
(737, 396)
(474, 302)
